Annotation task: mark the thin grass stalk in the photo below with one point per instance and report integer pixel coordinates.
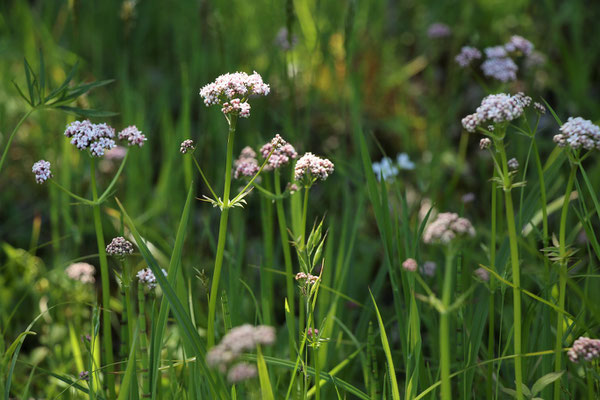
(287, 258)
(129, 308)
(445, 327)
(106, 325)
(491, 313)
(214, 290)
(266, 278)
(516, 271)
(12, 135)
(143, 340)
(562, 282)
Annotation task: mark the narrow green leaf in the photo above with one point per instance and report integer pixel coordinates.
(388, 353)
(63, 85)
(89, 113)
(22, 94)
(263, 376)
(544, 381)
(128, 378)
(42, 77)
(29, 82)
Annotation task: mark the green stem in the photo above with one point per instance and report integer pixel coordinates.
(304, 216)
(143, 340)
(106, 325)
(491, 313)
(562, 285)
(516, 271)
(12, 135)
(214, 289)
(128, 301)
(287, 258)
(266, 278)
(317, 371)
(445, 328)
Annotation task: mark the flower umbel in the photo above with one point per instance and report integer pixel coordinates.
(577, 133)
(231, 92)
(82, 272)
(283, 153)
(133, 136)
(311, 167)
(119, 247)
(246, 164)
(585, 349)
(186, 146)
(42, 172)
(447, 227)
(93, 137)
(147, 278)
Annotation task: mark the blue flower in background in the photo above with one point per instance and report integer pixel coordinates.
(385, 169)
(404, 161)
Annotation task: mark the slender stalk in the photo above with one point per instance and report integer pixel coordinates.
(491, 313)
(106, 326)
(266, 278)
(12, 135)
(516, 271)
(287, 258)
(445, 328)
(562, 282)
(214, 289)
(128, 302)
(304, 216)
(317, 371)
(143, 340)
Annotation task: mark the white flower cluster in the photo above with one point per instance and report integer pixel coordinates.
(310, 166)
(410, 264)
(246, 164)
(237, 341)
(82, 272)
(503, 69)
(231, 92)
(306, 278)
(119, 247)
(585, 349)
(500, 64)
(133, 136)
(447, 227)
(497, 108)
(93, 137)
(42, 172)
(282, 155)
(467, 55)
(186, 146)
(577, 133)
(147, 278)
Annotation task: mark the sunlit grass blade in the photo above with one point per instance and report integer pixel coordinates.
(263, 376)
(388, 353)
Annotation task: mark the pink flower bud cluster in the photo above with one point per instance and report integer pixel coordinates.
(306, 278)
(231, 92)
(585, 349)
(93, 137)
(283, 153)
(446, 228)
(238, 340)
(133, 136)
(310, 166)
(578, 133)
(147, 278)
(119, 247)
(82, 272)
(42, 172)
(246, 164)
(497, 108)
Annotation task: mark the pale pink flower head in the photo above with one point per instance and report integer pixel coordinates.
(482, 274)
(438, 30)
(231, 92)
(584, 349)
(133, 136)
(96, 138)
(310, 167)
(147, 278)
(246, 164)
(410, 264)
(241, 372)
(283, 153)
(502, 69)
(467, 55)
(41, 170)
(446, 228)
(519, 44)
(119, 247)
(82, 272)
(578, 133)
(497, 109)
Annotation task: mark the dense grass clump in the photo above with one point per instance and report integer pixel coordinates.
(249, 200)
